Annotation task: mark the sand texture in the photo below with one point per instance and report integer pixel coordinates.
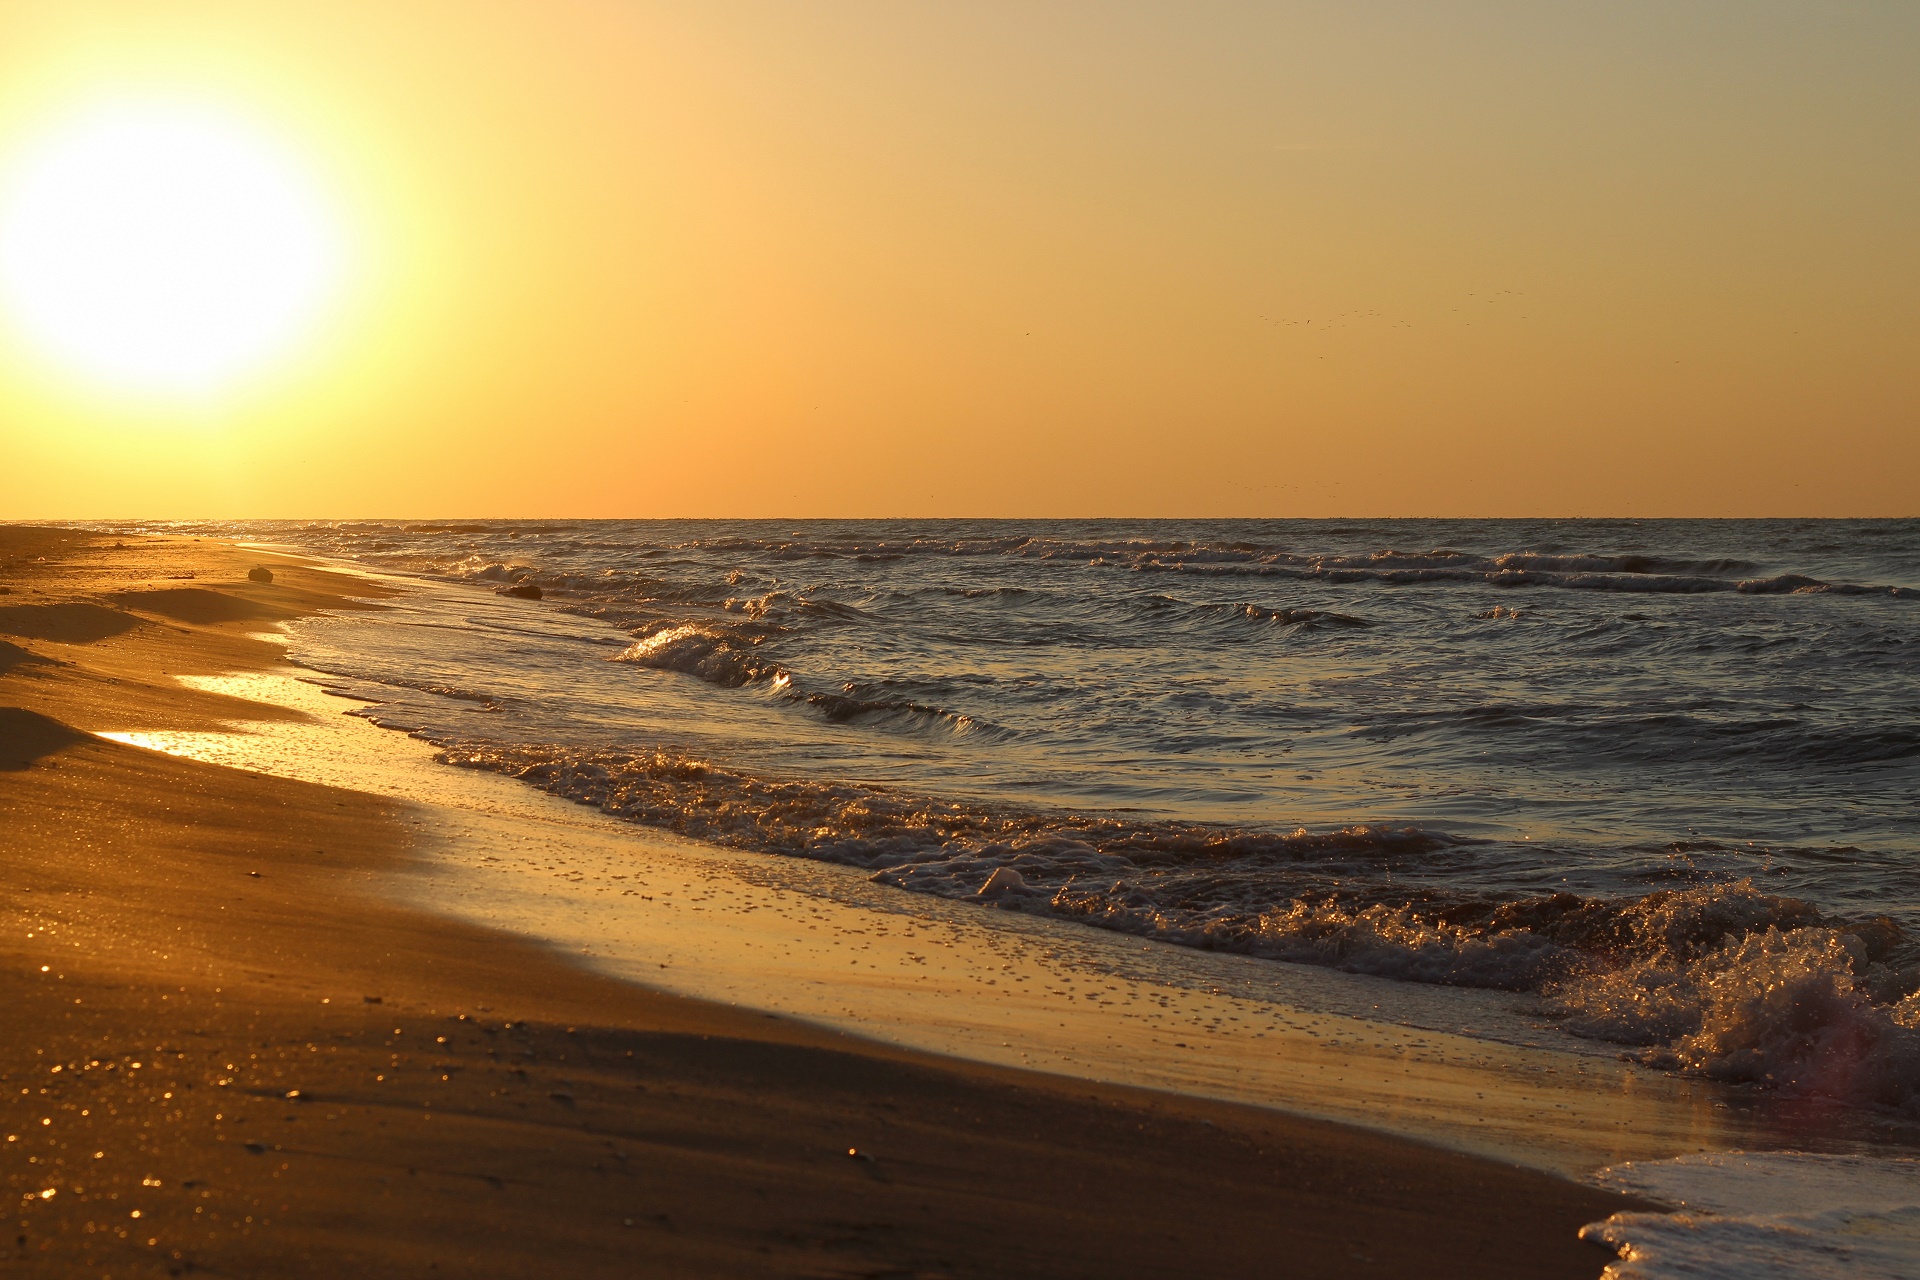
(226, 1054)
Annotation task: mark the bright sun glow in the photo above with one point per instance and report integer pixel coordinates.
(163, 247)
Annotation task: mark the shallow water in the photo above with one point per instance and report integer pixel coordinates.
(1661, 773)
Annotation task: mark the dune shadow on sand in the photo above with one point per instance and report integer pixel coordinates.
(12, 655)
(27, 736)
(198, 605)
(70, 623)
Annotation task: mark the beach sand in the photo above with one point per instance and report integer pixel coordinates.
(188, 947)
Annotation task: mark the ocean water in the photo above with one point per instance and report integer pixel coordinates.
(1661, 775)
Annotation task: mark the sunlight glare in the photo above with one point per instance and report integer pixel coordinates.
(163, 247)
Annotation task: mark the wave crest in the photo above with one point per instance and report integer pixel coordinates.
(717, 656)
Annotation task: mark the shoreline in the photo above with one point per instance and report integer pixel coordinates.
(141, 867)
(1469, 1069)
(1464, 1069)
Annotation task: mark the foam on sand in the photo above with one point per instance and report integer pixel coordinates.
(1766, 1216)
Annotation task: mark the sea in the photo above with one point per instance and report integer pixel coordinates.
(1664, 776)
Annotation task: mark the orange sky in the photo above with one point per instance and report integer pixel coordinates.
(818, 259)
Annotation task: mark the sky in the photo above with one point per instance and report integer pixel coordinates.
(619, 258)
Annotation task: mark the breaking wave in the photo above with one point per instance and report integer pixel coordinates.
(730, 658)
(721, 657)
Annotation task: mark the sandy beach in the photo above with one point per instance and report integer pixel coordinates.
(951, 640)
(230, 1051)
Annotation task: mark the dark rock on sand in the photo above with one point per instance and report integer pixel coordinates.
(258, 574)
(525, 590)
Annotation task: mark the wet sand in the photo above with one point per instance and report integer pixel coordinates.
(328, 1081)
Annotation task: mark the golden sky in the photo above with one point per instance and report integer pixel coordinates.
(618, 258)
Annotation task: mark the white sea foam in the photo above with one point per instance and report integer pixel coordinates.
(1770, 1216)
(1788, 1008)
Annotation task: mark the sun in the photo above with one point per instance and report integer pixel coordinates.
(164, 247)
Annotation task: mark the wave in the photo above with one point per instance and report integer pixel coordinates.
(1733, 743)
(1636, 573)
(1628, 571)
(721, 656)
(730, 658)
(846, 706)
(1597, 732)
(1632, 572)
(881, 828)
(1305, 619)
(1806, 1010)
(1720, 980)
(1491, 574)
